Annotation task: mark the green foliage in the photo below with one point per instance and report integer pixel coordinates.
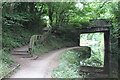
(6, 58)
(3, 70)
(15, 38)
(92, 61)
(116, 21)
(40, 50)
(68, 67)
(14, 34)
(57, 42)
(96, 42)
(114, 36)
(16, 20)
(22, 17)
(84, 52)
(51, 43)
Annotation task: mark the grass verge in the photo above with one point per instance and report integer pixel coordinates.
(68, 67)
(6, 61)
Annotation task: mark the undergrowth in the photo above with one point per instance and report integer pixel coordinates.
(6, 58)
(6, 61)
(51, 43)
(68, 67)
(70, 62)
(15, 38)
(3, 69)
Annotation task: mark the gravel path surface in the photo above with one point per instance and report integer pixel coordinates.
(40, 68)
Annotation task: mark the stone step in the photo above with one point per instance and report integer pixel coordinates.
(20, 52)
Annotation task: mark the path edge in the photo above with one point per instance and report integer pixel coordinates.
(11, 71)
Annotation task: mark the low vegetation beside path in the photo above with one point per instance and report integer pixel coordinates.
(52, 43)
(68, 67)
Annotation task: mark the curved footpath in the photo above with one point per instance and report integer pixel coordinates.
(40, 68)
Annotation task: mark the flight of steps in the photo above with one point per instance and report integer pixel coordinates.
(23, 52)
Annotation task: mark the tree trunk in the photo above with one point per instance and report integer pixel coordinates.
(50, 12)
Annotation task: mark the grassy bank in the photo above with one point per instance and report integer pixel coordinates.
(13, 38)
(5, 63)
(52, 43)
(70, 62)
(68, 66)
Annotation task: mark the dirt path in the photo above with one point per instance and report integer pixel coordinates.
(40, 68)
